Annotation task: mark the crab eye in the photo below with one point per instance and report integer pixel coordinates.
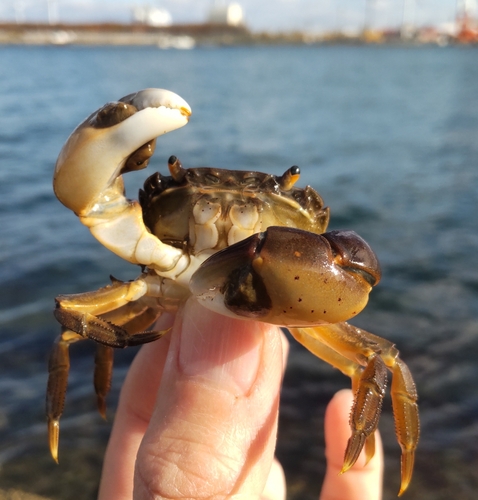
(176, 169)
(289, 178)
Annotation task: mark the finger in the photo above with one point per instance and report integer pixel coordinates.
(362, 480)
(285, 350)
(275, 488)
(135, 407)
(213, 430)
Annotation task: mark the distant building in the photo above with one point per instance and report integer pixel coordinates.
(228, 14)
(151, 16)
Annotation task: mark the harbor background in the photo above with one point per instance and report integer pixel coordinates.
(190, 23)
(387, 135)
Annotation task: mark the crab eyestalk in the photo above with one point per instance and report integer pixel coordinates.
(177, 171)
(289, 178)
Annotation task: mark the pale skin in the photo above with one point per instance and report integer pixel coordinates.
(197, 418)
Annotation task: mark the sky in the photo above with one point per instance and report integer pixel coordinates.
(261, 15)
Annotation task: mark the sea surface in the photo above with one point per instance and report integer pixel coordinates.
(387, 135)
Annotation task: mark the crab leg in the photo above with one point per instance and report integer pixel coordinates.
(405, 408)
(134, 317)
(116, 139)
(366, 411)
(364, 348)
(131, 310)
(58, 369)
(80, 313)
(348, 367)
(103, 375)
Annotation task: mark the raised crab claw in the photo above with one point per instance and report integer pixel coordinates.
(245, 244)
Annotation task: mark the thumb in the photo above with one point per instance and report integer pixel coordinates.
(212, 433)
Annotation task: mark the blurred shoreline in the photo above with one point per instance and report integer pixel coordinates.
(188, 36)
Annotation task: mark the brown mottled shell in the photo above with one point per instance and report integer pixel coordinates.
(168, 203)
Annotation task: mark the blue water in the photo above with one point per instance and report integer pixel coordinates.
(387, 135)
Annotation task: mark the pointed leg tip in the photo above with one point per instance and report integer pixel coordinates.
(351, 457)
(403, 488)
(354, 448)
(369, 448)
(345, 468)
(408, 459)
(54, 437)
(101, 403)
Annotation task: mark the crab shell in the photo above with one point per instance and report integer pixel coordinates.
(268, 246)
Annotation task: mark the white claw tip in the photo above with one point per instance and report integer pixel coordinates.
(156, 98)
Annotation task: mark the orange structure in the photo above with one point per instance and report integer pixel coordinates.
(467, 29)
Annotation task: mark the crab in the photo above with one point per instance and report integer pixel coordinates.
(243, 243)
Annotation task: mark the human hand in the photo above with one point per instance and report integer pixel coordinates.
(197, 418)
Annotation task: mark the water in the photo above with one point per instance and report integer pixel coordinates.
(388, 136)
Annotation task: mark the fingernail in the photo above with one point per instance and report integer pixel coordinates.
(218, 349)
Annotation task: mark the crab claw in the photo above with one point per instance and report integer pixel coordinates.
(289, 277)
(97, 150)
(118, 138)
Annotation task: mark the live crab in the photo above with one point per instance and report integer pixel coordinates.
(246, 244)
